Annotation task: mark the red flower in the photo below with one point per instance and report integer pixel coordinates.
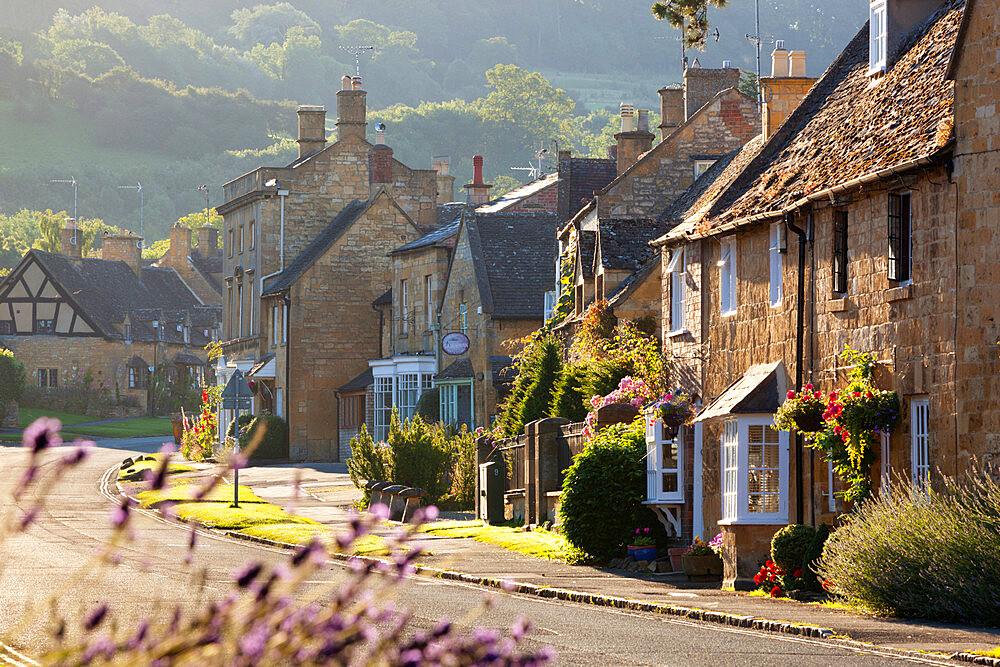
(808, 387)
(797, 573)
(758, 578)
(791, 394)
(776, 591)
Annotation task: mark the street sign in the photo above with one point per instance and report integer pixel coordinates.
(237, 395)
(455, 343)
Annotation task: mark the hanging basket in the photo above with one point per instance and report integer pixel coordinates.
(810, 422)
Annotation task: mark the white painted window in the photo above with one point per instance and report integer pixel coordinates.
(284, 324)
(239, 309)
(878, 36)
(885, 468)
(727, 277)
(274, 326)
(429, 304)
(920, 459)
(550, 306)
(831, 485)
(279, 403)
(383, 407)
(404, 305)
(701, 166)
(776, 257)
(463, 318)
(676, 269)
(449, 403)
(754, 471)
(407, 394)
(664, 464)
(730, 470)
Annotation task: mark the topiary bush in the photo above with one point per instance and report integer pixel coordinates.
(273, 440)
(789, 546)
(922, 553)
(603, 490)
(569, 400)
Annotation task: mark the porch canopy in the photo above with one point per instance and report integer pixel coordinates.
(760, 390)
(264, 368)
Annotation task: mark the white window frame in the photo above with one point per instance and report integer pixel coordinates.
(701, 166)
(131, 377)
(920, 460)
(407, 394)
(463, 317)
(404, 306)
(549, 307)
(885, 468)
(382, 394)
(776, 265)
(878, 36)
(678, 290)
(736, 507)
(429, 295)
(274, 326)
(831, 498)
(449, 403)
(656, 468)
(728, 283)
(284, 323)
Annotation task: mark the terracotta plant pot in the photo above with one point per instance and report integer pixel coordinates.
(702, 566)
(641, 553)
(675, 554)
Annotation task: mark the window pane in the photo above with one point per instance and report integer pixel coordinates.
(669, 455)
(669, 482)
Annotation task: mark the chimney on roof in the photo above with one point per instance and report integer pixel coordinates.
(71, 239)
(312, 129)
(479, 192)
(701, 84)
(351, 109)
(381, 157)
(632, 141)
(180, 246)
(208, 241)
(785, 89)
(445, 181)
(671, 110)
(123, 248)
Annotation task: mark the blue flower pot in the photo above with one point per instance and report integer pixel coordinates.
(641, 553)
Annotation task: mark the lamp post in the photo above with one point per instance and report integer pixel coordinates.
(71, 179)
(137, 186)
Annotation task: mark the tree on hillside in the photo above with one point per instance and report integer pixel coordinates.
(691, 16)
(265, 24)
(526, 100)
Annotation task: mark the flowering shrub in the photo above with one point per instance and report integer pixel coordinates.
(773, 580)
(12, 377)
(802, 411)
(201, 433)
(630, 390)
(272, 614)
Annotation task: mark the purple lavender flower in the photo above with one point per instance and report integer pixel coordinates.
(246, 574)
(120, 516)
(29, 517)
(95, 617)
(42, 434)
(81, 449)
(140, 635)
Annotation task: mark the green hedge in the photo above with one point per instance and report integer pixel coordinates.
(274, 441)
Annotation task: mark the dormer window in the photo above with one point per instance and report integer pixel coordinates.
(878, 36)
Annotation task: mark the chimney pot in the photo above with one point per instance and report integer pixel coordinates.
(643, 120)
(627, 112)
(727, 64)
(477, 169)
(779, 45)
(479, 192)
(345, 82)
(356, 82)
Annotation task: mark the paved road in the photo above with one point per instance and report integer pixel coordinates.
(74, 525)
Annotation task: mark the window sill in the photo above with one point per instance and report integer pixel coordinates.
(902, 292)
(729, 313)
(677, 333)
(775, 305)
(837, 305)
(770, 520)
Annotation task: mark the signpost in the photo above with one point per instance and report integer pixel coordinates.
(455, 343)
(237, 396)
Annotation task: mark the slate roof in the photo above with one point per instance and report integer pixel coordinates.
(450, 212)
(385, 299)
(517, 195)
(460, 369)
(514, 258)
(579, 179)
(107, 291)
(210, 268)
(586, 246)
(185, 359)
(444, 235)
(758, 391)
(359, 383)
(850, 127)
(624, 244)
(626, 287)
(315, 250)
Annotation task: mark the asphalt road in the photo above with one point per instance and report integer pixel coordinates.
(50, 562)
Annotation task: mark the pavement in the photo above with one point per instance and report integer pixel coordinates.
(151, 578)
(327, 494)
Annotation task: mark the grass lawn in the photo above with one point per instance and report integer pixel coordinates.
(28, 415)
(133, 473)
(538, 543)
(133, 428)
(223, 516)
(181, 491)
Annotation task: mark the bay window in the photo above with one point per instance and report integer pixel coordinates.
(383, 407)
(664, 463)
(754, 471)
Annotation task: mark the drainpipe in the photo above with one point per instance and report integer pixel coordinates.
(336, 396)
(799, 343)
(288, 374)
(381, 324)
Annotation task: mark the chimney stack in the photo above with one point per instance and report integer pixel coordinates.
(208, 241)
(180, 245)
(312, 129)
(351, 109)
(479, 192)
(381, 158)
(123, 248)
(71, 240)
(788, 85)
(701, 84)
(631, 141)
(445, 181)
(671, 110)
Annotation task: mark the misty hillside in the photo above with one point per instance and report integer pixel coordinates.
(176, 93)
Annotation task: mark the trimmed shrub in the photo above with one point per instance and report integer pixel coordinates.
(789, 546)
(544, 371)
(369, 462)
(812, 556)
(922, 553)
(603, 491)
(429, 405)
(274, 441)
(419, 456)
(569, 398)
(12, 377)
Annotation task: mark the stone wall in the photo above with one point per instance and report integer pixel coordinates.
(414, 267)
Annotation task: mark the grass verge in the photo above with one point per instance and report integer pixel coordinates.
(183, 491)
(135, 471)
(992, 653)
(27, 415)
(140, 427)
(224, 516)
(537, 543)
